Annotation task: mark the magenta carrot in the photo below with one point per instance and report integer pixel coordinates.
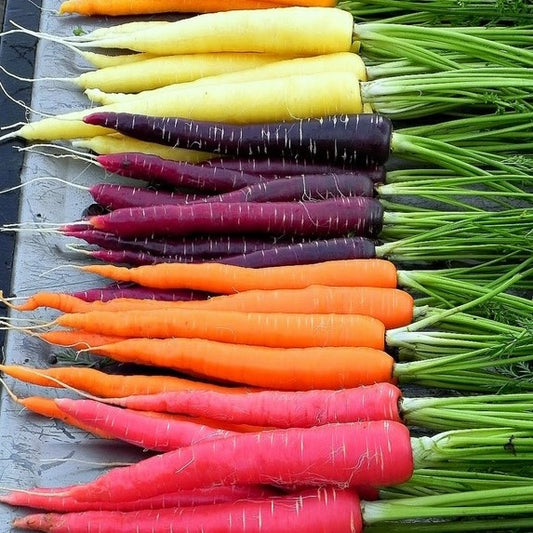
(112, 196)
(351, 140)
(322, 510)
(152, 168)
(46, 500)
(280, 409)
(326, 218)
(344, 455)
(159, 433)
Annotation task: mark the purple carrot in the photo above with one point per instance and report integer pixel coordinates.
(131, 290)
(279, 167)
(326, 218)
(348, 140)
(113, 196)
(155, 169)
(302, 253)
(303, 187)
(195, 246)
(306, 253)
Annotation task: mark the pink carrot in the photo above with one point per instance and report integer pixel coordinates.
(343, 455)
(273, 408)
(159, 433)
(322, 510)
(45, 499)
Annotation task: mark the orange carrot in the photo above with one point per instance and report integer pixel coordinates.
(73, 339)
(393, 307)
(287, 330)
(144, 7)
(275, 368)
(103, 385)
(47, 407)
(227, 279)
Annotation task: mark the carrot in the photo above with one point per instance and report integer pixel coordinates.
(42, 499)
(284, 330)
(105, 385)
(259, 366)
(145, 7)
(116, 143)
(351, 140)
(364, 453)
(393, 307)
(159, 71)
(226, 279)
(72, 339)
(281, 409)
(48, 408)
(320, 31)
(313, 511)
(158, 433)
(283, 98)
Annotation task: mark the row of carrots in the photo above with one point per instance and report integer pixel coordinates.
(289, 417)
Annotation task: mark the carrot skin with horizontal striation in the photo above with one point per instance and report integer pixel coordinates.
(314, 511)
(227, 279)
(349, 140)
(326, 218)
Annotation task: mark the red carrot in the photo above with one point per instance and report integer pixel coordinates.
(327, 218)
(364, 453)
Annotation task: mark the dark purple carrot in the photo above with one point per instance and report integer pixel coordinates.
(302, 187)
(155, 169)
(347, 140)
(327, 218)
(303, 253)
(310, 252)
(132, 290)
(202, 246)
(279, 167)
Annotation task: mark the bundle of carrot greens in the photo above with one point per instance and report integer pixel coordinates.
(318, 310)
